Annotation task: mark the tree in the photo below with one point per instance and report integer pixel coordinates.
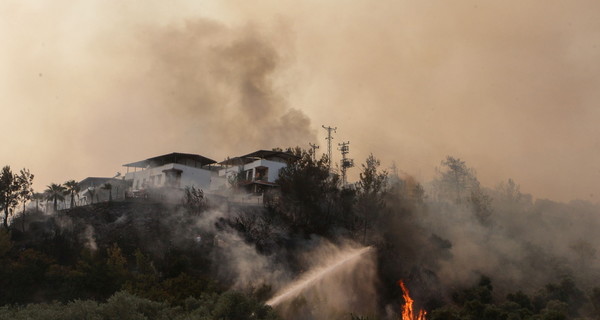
(481, 204)
(194, 200)
(371, 189)
(73, 188)
(108, 186)
(25, 191)
(37, 197)
(14, 189)
(456, 178)
(307, 193)
(55, 193)
(460, 182)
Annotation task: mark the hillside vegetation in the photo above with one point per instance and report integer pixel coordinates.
(466, 251)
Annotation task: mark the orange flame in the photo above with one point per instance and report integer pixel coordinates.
(407, 309)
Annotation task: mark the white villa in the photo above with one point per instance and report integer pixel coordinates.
(253, 174)
(174, 170)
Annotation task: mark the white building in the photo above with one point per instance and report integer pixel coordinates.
(244, 179)
(170, 171)
(255, 173)
(94, 189)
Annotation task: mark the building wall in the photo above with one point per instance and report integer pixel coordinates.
(273, 173)
(155, 177)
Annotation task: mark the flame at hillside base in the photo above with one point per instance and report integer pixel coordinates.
(407, 309)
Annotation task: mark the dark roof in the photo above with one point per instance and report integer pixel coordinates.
(260, 154)
(174, 157)
(235, 161)
(266, 154)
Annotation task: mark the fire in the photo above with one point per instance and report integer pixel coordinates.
(407, 309)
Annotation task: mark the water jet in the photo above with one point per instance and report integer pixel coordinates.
(313, 276)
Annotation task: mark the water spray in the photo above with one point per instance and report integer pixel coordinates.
(311, 277)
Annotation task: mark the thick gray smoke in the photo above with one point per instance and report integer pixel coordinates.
(335, 278)
(217, 83)
(522, 244)
(135, 87)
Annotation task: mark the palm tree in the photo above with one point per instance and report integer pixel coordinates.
(72, 189)
(37, 197)
(56, 192)
(108, 186)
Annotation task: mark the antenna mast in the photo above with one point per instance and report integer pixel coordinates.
(329, 138)
(345, 162)
(313, 148)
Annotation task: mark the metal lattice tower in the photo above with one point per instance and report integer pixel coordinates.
(329, 138)
(345, 163)
(313, 148)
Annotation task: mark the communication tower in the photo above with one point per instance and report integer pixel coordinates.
(345, 163)
(329, 138)
(313, 150)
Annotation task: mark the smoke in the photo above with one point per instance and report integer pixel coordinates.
(237, 261)
(508, 85)
(89, 239)
(340, 279)
(328, 280)
(218, 83)
(348, 286)
(142, 82)
(442, 246)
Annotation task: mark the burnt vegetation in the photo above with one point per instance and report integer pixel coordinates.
(466, 251)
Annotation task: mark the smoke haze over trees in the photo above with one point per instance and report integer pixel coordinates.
(508, 89)
(469, 253)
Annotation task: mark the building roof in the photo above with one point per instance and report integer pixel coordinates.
(267, 154)
(260, 154)
(235, 161)
(174, 157)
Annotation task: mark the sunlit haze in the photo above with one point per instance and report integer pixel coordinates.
(511, 87)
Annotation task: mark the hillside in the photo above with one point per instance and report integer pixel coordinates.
(465, 251)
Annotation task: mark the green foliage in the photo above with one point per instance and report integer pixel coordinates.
(456, 180)
(566, 292)
(556, 301)
(371, 190)
(55, 192)
(234, 305)
(149, 265)
(595, 301)
(308, 192)
(125, 306)
(72, 188)
(14, 188)
(448, 312)
(6, 243)
(458, 183)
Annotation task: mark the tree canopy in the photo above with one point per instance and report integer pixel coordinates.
(14, 188)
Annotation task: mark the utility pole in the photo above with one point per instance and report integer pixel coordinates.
(345, 163)
(313, 152)
(329, 138)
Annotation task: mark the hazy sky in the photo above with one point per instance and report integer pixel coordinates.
(509, 86)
